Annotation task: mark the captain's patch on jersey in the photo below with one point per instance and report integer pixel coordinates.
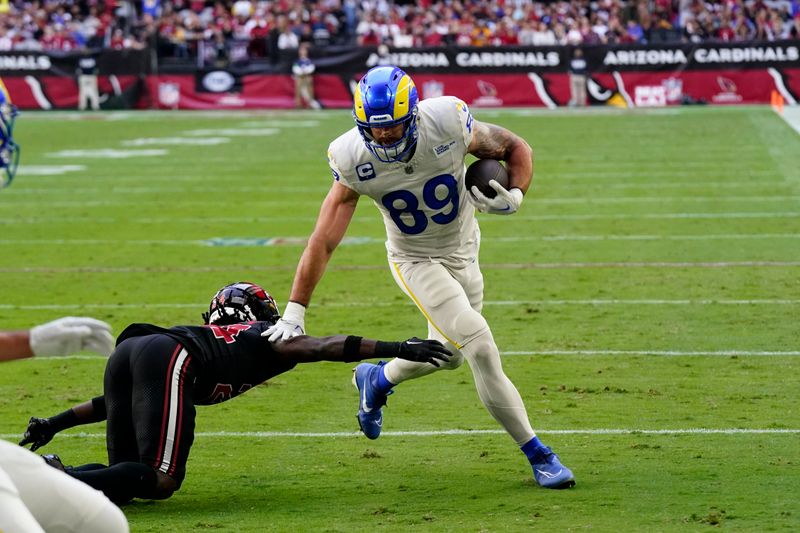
(365, 172)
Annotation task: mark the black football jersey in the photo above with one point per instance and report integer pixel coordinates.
(227, 360)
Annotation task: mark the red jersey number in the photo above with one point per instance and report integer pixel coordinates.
(228, 333)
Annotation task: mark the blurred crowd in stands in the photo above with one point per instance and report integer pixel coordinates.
(257, 28)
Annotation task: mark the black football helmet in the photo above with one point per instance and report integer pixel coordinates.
(241, 302)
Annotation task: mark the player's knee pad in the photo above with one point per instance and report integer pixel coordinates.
(482, 352)
(468, 325)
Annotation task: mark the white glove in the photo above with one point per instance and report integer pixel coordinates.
(290, 325)
(70, 335)
(505, 203)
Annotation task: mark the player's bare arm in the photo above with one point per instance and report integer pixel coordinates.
(306, 349)
(490, 141)
(15, 345)
(334, 217)
(40, 431)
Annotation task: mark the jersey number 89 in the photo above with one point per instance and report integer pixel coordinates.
(410, 204)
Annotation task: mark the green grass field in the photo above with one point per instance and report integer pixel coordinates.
(646, 300)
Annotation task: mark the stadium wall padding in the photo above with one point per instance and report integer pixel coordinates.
(636, 75)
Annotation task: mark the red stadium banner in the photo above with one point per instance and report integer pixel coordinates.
(59, 92)
(631, 76)
(276, 91)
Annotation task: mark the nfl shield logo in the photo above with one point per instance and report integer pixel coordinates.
(432, 89)
(674, 89)
(169, 94)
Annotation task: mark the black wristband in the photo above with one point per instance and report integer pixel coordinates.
(387, 349)
(352, 346)
(64, 420)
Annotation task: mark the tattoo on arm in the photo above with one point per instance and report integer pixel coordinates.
(492, 142)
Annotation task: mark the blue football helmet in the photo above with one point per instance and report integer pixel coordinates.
(385, 97)
(9, 150)
(241, 302)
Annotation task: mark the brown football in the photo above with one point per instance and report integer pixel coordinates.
(482, 171)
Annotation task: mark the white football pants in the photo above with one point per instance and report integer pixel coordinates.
(35, 497)
(451, 298)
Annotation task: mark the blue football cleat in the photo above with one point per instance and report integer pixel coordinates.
(370, 401)
(55, 461)
(549, 472)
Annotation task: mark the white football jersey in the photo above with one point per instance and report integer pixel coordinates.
(424, 201)
(53, 500)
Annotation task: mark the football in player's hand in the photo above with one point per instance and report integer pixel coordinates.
(482, 171)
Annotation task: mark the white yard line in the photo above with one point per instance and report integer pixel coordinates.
(346, 268)
(460, 432)
(580, 353)
(404, 303)
(663, 353)
(301, 241)
(595, 201)
(13, 221)
(649, 180)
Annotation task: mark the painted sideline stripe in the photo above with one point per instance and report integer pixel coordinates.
(765, 301)
(301, 241)
(339, 268)
(458, 432)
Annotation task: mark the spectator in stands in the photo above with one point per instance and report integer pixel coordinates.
(794, 28)
(560, 31)
(242, 9)
(526, 33)
(764, 30)
(6, 43)
(367, 31)
(257, 31)
(693, 32)
(574, 35)
(616, 33)
(287, 39)
(543, 36)
(506, 33)
(64, 25)
(744, 29)
(481, 34)
(726, 31)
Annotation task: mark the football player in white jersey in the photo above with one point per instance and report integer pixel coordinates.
(35, 497)
(408, 157)
(9, 150)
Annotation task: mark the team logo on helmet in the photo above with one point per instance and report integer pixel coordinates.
(9, 150)
(241, 302)
(386, 97)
